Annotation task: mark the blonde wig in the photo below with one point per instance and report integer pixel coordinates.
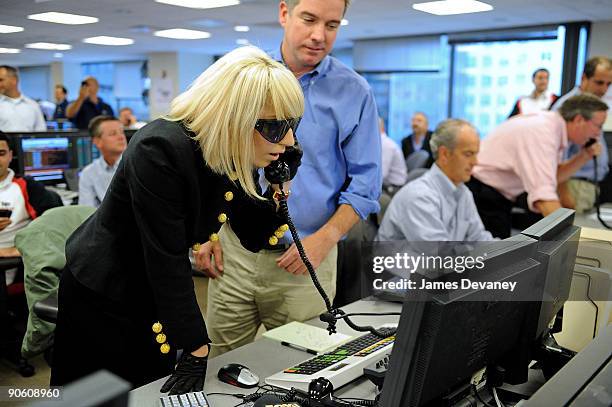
(223, 104)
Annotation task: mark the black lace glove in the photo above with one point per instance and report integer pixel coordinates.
(277, 173)
(188, 375)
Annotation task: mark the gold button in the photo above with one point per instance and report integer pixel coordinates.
(273, 240)
(165, 348)
(222, 217)
(214, 237)
(229, 195)
(284, 227)
(196, 247)
(157, 327)
(160, 338)
(233, 176)
(279, 233)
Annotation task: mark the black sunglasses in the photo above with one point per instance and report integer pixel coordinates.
(275, 130)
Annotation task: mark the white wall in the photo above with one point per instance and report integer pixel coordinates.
(601, 39)
(67, 74)
(601, 44)
(163, 71)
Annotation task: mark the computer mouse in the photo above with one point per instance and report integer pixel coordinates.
(238, 375)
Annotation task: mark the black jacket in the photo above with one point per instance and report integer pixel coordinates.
(408, 149)
(162, 199)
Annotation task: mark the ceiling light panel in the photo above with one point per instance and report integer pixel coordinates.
(201, 4)
(7, 29)
(242, 28)
(63, 18)
(49, 46)
(105, 40)
(451, 7)
(9, 51)
(182, 34)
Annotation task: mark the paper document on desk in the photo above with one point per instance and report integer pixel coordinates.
(307, 337)
(596, 234)
(606, 214)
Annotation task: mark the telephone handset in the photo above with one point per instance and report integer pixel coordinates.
(277, 172)
(285, 168)
(588, 144)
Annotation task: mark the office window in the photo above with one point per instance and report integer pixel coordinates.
(399, 95)
(104, 73)
(121, 85)
(511, 63)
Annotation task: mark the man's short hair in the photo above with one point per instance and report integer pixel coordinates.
(11, 70)
(5, 137)
(63, 88)
(539, 70)
(96, 123)
(292, 3)
(584, 105)
(592, 64)
(421, 114)
(446, 134)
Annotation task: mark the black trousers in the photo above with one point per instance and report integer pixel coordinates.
(494, 209)
(96, 333)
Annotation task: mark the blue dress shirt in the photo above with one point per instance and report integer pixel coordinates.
(95, 180)
(432, 209)
(342, 148)
(587, 170)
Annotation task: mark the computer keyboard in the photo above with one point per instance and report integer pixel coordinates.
(340, 366)
(196, 399)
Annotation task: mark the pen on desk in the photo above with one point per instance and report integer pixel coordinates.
(290, 345)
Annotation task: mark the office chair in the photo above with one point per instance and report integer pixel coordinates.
(42, 246)
(71, 176)
(349, 280)
(13, 314)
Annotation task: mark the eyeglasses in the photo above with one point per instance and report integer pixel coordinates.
(275, 130)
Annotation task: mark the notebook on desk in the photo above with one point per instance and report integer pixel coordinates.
(307, 336)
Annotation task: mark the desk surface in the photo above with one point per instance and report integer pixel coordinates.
(586, 220)
(266, 357)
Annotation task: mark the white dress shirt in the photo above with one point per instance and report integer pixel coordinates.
(20, 114)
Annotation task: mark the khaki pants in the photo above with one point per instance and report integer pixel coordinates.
(255, 291)
(583, 193)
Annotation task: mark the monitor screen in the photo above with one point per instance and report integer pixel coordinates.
(45, 159)
(442, 342)
(557, 248)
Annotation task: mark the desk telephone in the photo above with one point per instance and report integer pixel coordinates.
(597, 204)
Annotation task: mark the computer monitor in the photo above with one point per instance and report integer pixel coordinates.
(557, 247)
(441, 343)
(99, 389)
(585, 381)
(45, 159)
